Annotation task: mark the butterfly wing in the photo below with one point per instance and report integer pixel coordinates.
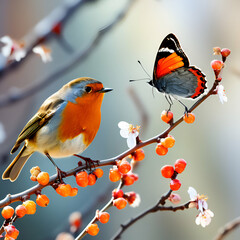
(183, 82)
(172, 73)
(170, 56)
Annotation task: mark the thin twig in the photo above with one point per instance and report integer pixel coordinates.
(76, 59)
(153, 209)
(108, 205)
(43, 29)
(228, 228)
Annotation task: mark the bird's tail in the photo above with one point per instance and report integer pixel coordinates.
(14, 169)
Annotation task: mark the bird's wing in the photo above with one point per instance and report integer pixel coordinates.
(44, 114)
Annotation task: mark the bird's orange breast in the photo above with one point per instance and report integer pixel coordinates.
(82, 117)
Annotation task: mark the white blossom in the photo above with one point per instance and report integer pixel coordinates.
(221, 93)
(130, 132)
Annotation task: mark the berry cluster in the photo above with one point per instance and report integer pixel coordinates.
(102, 217)
(10, 215)
(218, 65)
(162, 147)
(167, 117)
(122, 170)
(66, 190)
(169, 171)
(83, 179)
(120, 199)
(39, 176)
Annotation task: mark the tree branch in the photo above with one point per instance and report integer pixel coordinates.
(43, 29)
(153, 209)
(228, 228)
(76, 59)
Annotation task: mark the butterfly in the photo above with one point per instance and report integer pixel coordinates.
(172, 74)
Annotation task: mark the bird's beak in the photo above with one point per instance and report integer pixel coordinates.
(104, 90)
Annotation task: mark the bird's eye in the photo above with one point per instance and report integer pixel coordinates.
(88, 89)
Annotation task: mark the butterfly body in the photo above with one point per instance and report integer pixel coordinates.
(172, 74)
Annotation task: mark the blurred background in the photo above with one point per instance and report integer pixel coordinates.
(210, 145)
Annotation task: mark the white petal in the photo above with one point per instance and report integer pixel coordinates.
(200, 206)
(123, 125)
(131, 141)
(205, 205)
(221, 94)
(19, 54)
(6, 40)
(124, 133)
(6, 51)
(211, 214)
(192, 193)
(204, 223)
(198, 220)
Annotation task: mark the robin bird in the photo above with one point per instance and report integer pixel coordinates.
(64, 125)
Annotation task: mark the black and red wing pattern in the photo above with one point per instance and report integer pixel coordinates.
(171, 57)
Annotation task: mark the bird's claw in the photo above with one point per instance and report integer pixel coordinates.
(88, 161)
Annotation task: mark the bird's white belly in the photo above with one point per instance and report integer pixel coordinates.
(47, 141)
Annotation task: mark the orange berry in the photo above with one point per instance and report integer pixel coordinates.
(216, 51)
(167, 171)
(7, 212)
(180, 165)
(175, 184)
(74, 192)
(114, 175)
(189, 117)
(168, 142)
(225, 52)
(33, 169)
(34, 173)
(92, 229)
(128, 179)
(42, 200)
(167, 116)
(117, 193)
(91, 179)
(98, 172)
(138, 155)
(161, 150)
(20, 211)
(123, 166)
(43, 178)
(103, 217)
(217, 65)
(30, 206)
(64, 189)
(82, 179)
(120, 203)
(33, 178)
(11, 232)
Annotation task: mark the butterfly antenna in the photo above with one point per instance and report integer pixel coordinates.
(139, 79)
(144, 69)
